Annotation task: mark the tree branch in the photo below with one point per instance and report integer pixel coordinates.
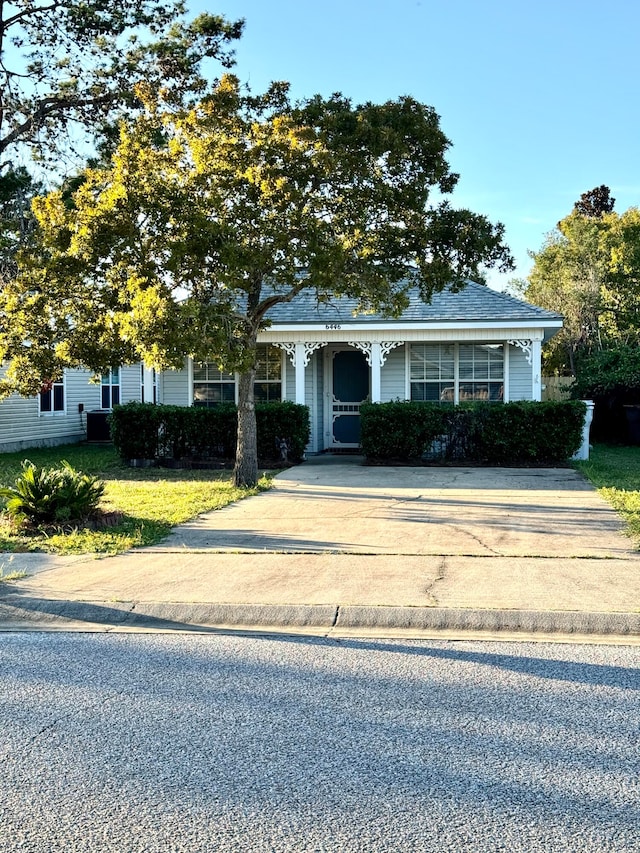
(26, 13)
(51, 106)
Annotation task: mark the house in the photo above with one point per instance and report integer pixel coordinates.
(477, 344)
(59, 413)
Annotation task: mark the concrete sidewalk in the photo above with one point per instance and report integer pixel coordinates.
(337, 547)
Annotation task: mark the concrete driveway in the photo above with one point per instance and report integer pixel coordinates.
(335, 541)
(342, 507)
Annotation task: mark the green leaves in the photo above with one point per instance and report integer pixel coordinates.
(107, 49)
(589, 270)
(52, 495)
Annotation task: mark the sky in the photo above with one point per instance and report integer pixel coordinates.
(539, 98)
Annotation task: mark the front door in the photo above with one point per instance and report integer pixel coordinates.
(350, 387)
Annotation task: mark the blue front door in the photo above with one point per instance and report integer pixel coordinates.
(350, 377)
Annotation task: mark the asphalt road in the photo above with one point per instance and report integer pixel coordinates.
(228, 743)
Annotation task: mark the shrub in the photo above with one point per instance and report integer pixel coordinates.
(145, 431)
(52, 495)
(520, 433)
(288, 421)
(134, 430)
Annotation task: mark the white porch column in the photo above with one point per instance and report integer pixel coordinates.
(583, 450)
(147, 383)
(299, 364)
(536, 370)
(376, 364)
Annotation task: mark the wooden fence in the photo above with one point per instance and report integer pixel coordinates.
(556, 387)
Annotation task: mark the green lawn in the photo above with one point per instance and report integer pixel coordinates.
(152, 500)
(615, 472)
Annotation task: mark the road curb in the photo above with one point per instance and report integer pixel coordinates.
(23, 613)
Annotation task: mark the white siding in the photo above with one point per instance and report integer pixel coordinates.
(130, 384)
(22, 426)
(392, 376)
(174, 387)
(289, 380)
(520, 378)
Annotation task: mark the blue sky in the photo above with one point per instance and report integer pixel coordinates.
(539, 99)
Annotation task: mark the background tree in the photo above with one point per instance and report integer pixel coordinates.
(595, 203)
(206, 219)
(589, 271)
(568, 276)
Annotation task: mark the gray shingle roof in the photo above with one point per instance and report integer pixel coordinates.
(474, 302)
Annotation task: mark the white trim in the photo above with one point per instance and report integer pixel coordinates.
(55, 413)
(375, 388)
(300, 368)
(313, 408)
(366, 328)
(505, 387)
(190, 381)
(536, 371)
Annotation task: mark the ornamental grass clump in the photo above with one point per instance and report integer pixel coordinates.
(43, 495)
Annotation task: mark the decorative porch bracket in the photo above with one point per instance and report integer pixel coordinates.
(526, 346)
(299, 356)
(532, 352)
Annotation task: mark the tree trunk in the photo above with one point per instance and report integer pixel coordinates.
(245, 473)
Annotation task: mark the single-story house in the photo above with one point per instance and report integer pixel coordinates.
(477, 344)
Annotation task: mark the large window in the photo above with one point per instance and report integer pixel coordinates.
(110, 388)
(453, 373)
(268, 384)
(212, 386)
(51, 398)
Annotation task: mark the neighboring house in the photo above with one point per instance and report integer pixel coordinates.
(476, 344)
(58, 415)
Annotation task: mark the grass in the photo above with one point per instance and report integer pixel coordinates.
(151, 501)
(615, 472)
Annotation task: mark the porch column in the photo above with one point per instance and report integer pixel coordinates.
(536, 370)
(376, 363)
(299, 363)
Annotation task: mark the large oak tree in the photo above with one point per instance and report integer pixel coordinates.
(206, 218)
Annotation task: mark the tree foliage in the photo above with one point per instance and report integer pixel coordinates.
(589, 271)
(69, 64)
(208, 217)
(595, 202)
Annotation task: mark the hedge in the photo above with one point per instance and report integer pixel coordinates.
(147, 431)
(521, 433)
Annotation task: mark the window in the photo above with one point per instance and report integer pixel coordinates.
(432, 372)
(110, 388)
(481, 372)
(51, 397)
(453, 373)
(155, 384)
(268, 384)
(212, 386)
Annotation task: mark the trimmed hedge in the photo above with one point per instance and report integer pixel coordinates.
(521, 433)
(147, 431)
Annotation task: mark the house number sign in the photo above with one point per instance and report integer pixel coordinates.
(333, 326)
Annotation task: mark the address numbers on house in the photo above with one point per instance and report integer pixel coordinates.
(333, 326)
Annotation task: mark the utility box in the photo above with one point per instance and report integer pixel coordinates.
(98, 425)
